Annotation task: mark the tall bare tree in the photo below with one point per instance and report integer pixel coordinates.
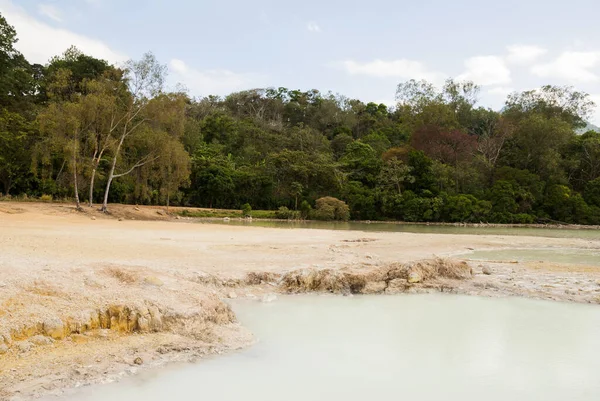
(145, 80)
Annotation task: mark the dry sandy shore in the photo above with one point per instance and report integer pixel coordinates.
(86, 298)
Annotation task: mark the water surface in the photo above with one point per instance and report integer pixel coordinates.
(419, 228)
(563, 255)
(411, 347)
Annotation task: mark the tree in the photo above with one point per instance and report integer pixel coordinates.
(329, 208)
(417, 94)
(362, 163)
(553, 102)
(101, 110)
(536, 145)
(339, 144)
(145, 79)
(173, 168)
(17, 85)
(581, 159)
(422, 171)
(448, 147)
(61, 122)
(16, 138)
(491, 141)
(592, 192)
(297, 190)
(394, 174)
(421, 104)
(82, 69)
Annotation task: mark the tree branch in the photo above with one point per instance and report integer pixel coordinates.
(140, 163)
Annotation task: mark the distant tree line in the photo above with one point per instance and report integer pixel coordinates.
(83, 129)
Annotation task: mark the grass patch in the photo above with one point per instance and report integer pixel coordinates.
(222, 213)
(264, 214)
(210, 213)
(33, 199)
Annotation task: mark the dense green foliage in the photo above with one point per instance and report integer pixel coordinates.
(81, 126)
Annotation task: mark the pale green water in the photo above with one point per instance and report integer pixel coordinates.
(421, 228)
(415, 347)
(564, 255)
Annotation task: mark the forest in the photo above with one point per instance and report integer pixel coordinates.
(79, 128)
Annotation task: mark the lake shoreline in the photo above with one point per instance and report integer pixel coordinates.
(557, 226)
(163, 213)
(84, 299)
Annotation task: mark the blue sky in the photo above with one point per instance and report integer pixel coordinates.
(356, 48)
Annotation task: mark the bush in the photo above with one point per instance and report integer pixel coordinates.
(46, 198)
(329, 208)
(523, 218)
(305, 209)
(466, 209)
(284, 213)
(246, 210)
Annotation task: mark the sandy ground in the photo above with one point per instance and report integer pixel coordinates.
(87, 298)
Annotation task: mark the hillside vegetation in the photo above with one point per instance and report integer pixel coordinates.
(83, 129)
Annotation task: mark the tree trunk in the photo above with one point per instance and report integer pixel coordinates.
(77, 203)
(111, 174)
(91, 200)
(7, 185)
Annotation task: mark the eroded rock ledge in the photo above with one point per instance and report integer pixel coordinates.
(198, 320)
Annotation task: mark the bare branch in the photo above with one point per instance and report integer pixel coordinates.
(140, 163)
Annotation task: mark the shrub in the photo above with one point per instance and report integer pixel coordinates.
(305, 209)
(246, 210)
(523, 218)
(465, 209)
(284, 213)
(46, 198)
(329, 208)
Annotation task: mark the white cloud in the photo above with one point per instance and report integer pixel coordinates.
(486, 70)
(313, 27)
(211, 82)
(48, 10)
(524, 54)
(570, 66)
(501, 91)
(39, 41)
(403, 68)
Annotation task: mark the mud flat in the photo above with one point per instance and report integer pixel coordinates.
(87, 298)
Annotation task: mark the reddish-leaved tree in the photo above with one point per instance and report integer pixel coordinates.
(449, 147)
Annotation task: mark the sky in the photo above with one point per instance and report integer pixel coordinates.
(359, 49)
